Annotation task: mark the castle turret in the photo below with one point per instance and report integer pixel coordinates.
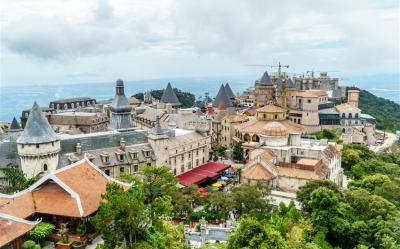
(38, 145)
(169, 96)
(120, 109)
(352, 97)
(15, 130)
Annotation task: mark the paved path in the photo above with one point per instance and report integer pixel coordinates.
(389, 141)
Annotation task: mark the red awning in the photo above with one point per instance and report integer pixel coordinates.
(202, 173)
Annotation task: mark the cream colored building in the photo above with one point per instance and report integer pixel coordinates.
(181, 150)
(228, 123)
(79, 122)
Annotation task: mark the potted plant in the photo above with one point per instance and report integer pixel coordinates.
(64, 243)
(40, 232)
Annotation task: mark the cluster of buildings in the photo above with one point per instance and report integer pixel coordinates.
(80, 144)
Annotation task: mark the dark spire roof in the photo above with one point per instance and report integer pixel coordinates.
(222, 97)
(265, 79)
(120, 103)
(229, 91)
(37, 129)
(15, 126)
(169, 96)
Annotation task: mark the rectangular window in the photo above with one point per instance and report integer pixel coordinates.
(135, 168)
(107, 171)
(121, 169)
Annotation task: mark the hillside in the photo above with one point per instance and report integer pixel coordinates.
(187, 99)
(386, 112)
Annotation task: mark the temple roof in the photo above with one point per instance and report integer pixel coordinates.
(37, 129)
(265, 79)
(229, 91)
(222, 97)
(169, 96)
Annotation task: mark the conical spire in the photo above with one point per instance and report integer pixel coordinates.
(229, 91)
(37, 129)
(15, 127)
(222, 97)
(169, 96)
(265, 79)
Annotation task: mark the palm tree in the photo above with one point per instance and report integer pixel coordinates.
(16, 180)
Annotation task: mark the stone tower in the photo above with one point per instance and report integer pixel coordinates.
(264, 91)
(120, 109)
(353, 97)
(38, 146)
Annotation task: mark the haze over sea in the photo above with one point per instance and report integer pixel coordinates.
(14, 99)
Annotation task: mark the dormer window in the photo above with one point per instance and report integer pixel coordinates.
(134, 155)
(105, 157)
(120, 155)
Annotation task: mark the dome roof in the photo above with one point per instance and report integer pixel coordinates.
(275, 129)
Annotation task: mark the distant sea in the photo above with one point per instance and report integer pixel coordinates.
(15, 99)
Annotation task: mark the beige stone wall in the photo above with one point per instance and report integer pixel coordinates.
(289, 184)
(35, 157)
(184, 157)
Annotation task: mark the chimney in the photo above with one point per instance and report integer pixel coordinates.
(78, 148)
(122, 143)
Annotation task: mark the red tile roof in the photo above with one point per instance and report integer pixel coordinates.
(202, 173)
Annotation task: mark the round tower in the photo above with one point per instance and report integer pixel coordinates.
(38, 145)
(120, 109)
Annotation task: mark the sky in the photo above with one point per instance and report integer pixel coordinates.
(59, 42)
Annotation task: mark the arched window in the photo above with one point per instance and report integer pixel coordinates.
(255, 138)
(65, 106)
(350, 115)
(343, 115)
(356, 115)
(72, 105)
(247, 137)
(45, 167)
(343, 130)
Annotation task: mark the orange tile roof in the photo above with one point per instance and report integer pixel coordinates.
(12, 228)
(73, 191)
(297, 173)
(311, 162)
(257, 172)
(256, 126)
(271, 108)
(311, 93)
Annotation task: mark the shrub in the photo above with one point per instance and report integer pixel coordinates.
(29, 244)
(41, 231)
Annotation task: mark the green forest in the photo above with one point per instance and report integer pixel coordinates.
(365, 215)
(187, 99)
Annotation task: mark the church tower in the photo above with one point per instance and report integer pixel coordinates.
(120, 109)
(264, 91)
(38, 146)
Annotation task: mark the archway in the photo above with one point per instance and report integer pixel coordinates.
(255, 138)
(247, 137)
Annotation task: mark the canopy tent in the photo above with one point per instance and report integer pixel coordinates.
(208, 171)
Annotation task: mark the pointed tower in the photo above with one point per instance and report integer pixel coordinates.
(15, 130)
(264, 90)
(222, 97)
(120, 109)
(229, 91)
(169, 96)
(38, 145)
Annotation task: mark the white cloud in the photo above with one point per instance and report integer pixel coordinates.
(358, 35)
